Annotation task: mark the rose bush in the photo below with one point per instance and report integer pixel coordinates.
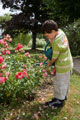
(18, 76)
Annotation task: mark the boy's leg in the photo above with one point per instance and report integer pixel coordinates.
(61, 85)
(68, 86)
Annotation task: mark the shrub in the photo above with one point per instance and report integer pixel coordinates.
(18, 76)
(40, 43)
(73, 33)
(17, 87)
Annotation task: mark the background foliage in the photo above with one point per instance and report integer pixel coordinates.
(73, 33)
(65, 13)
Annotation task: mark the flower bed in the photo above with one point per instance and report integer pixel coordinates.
(19, 75)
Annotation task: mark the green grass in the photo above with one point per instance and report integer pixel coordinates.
(34, 110)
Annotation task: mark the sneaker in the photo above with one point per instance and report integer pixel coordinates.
(50, 102)
(58, 103)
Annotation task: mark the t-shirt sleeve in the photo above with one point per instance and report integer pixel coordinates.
(59, 46)
(63, 45)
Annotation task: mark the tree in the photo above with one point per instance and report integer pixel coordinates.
(4, 18)
(64, 11)
(68, 9)
(32, 14)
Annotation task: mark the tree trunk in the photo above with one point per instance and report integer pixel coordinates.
(33, 40)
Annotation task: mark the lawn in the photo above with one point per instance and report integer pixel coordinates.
(34, 110)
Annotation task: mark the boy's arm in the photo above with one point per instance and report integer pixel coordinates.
(56, 52)
(51, 62)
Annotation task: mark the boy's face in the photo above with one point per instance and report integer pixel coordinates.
(51, 35)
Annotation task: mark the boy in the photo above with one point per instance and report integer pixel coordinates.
(63, 62)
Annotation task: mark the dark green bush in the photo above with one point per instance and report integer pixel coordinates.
(73, 33)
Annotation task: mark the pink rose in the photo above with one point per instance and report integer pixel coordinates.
(1, 41)
(7, 36)
(52, 73)
(7, 74)
(25, 73)
(5, 44)
(2, 80)
(41, 63)
(1, 59)
(54, 70)
(45, 74)
(27, 53)
(43, 70)
(10, 40)
(16, 51)
(3, 66)
(8, 52)
(0, 74)
(3, 52)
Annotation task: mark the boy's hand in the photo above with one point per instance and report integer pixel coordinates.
(49, 64)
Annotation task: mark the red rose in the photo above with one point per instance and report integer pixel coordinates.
(19, 46)
(19, 75)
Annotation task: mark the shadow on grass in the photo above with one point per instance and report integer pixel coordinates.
(29, 111)
(38, 112)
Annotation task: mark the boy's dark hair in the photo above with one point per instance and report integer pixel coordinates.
(48, 26)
